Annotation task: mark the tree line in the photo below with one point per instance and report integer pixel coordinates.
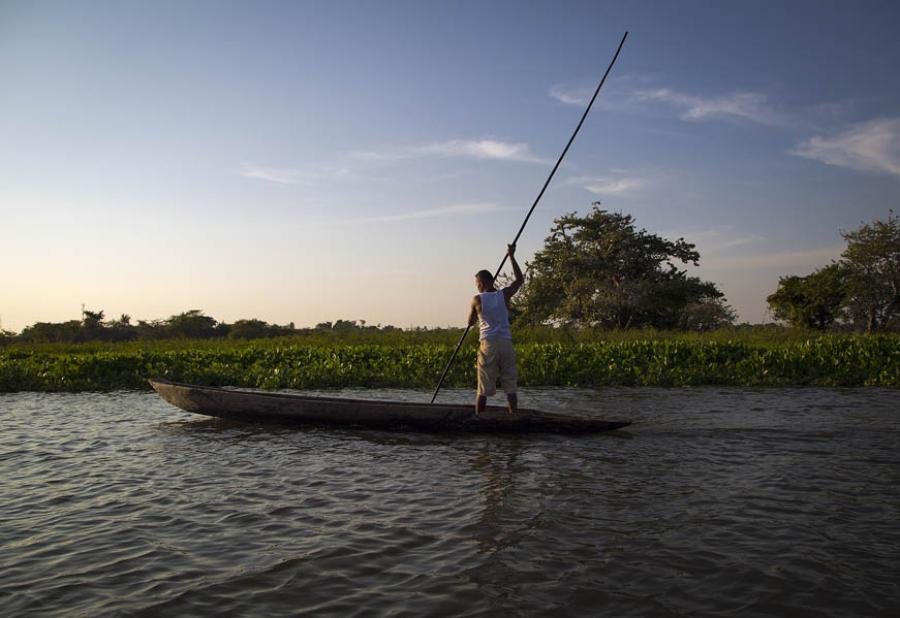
(193, 324)
(860, 291)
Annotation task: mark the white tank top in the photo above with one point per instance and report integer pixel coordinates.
(494, 316)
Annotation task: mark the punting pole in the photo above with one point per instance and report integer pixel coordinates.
(533, 206)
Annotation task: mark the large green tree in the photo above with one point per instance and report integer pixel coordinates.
(872, 260)
(814, 301)
(600, 270)
(193, 324)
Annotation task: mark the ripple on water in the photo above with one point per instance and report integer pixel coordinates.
(717, 501)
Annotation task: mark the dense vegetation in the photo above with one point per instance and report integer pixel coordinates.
(860, 291)
(547, 357)
(193, 324)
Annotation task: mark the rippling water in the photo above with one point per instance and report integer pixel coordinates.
(715, 502)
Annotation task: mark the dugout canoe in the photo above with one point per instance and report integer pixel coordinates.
(285, 408)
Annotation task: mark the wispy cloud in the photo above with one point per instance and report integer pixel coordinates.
(482, 149)
(296, 176)
(633, 94)
(571, 95)
(270, 174)
(455, 210)
(615, 93)
(621, 186)
(378, 155)
(751, 106)
(872, 146)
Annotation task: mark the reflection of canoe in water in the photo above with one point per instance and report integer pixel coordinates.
(301, 409)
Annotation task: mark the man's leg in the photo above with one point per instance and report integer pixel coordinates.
(488, 366)
(480, 403)
(512, 403)
(509, 376)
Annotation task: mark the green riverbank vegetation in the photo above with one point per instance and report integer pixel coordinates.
(546, 357)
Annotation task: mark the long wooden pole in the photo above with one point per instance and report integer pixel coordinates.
(533, 206)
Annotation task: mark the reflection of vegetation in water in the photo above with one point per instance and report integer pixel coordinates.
(408, 359)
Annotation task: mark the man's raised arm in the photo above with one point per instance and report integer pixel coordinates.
(520, 278)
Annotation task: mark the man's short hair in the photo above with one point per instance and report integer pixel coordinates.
(485, 276)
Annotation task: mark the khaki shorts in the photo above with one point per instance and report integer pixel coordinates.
(496, 357)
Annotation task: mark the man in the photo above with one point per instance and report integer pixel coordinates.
(496, 355)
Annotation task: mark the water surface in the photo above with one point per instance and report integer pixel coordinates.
(715, 502)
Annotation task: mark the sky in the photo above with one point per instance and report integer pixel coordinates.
(310, 161)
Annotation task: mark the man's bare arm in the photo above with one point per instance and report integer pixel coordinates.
(520, 278)
(473, 311)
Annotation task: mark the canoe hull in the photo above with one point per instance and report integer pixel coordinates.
(282, 408)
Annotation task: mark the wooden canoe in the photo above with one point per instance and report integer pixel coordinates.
(287, 408)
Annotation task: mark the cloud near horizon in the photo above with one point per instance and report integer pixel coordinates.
(872, 146)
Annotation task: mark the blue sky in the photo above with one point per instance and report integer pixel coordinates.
(308, 161)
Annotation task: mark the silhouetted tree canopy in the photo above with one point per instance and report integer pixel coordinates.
(872, 261)
(861, 289)
(814, 301)
(193, 324)
(257, 329)
(600, 270)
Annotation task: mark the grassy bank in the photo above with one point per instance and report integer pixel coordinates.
(410, 359)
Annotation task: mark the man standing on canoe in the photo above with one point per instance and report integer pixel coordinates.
(496, 355)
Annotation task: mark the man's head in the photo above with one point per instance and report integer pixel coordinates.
(484, 280)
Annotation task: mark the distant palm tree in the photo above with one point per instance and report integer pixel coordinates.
(92, 318)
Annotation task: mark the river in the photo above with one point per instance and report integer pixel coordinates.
(716, 502)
